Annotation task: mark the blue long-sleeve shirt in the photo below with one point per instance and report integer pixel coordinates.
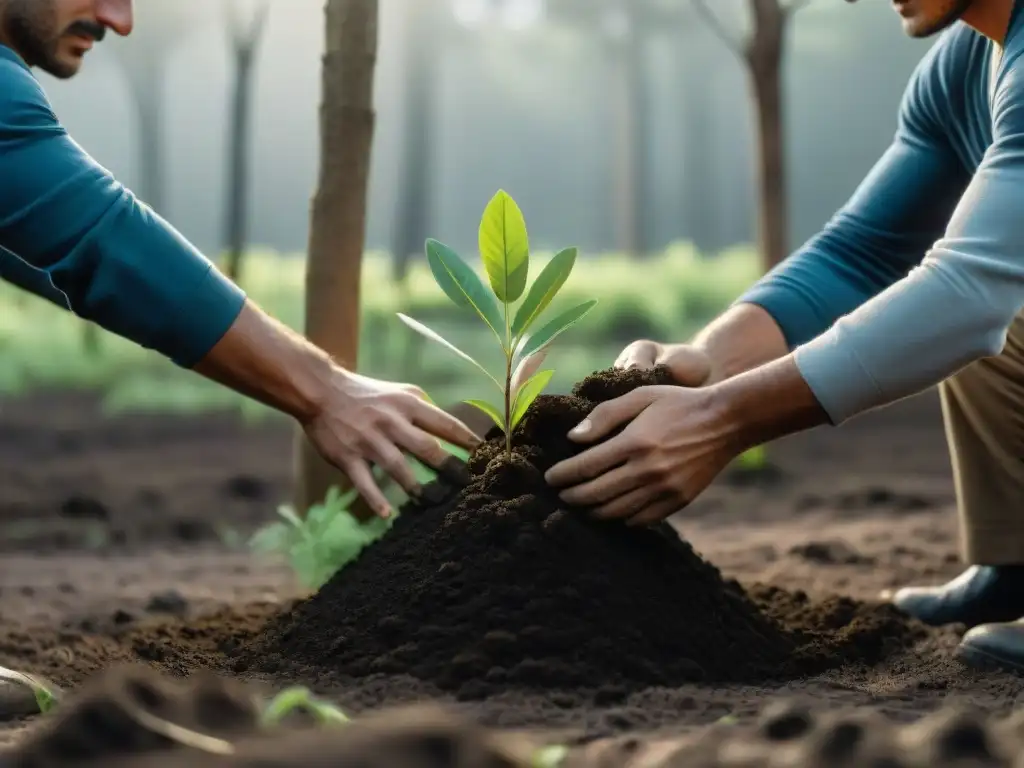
(71, 233)
(922, 271)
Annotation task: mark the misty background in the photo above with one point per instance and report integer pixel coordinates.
(526, 104)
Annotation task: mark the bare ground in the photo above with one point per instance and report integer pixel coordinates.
(110, 525)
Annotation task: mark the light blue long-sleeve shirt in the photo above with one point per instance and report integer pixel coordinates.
(71, 233)
(922, 271)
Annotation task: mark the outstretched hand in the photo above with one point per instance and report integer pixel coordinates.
(366, 422)
(675, 443)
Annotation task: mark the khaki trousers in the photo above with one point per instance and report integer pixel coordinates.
(983, 408)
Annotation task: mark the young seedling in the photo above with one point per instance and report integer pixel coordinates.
(505, 252)
(44, 696)
(298, 699)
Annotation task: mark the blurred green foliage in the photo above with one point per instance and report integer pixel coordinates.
(667, 297)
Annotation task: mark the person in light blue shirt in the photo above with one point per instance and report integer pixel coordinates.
(70, 232)
(918, 280)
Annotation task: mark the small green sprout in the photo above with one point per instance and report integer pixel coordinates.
(298, 698)
(45, 698)
(550, 757)
(505, 252)
(753, 458)
(327, 539)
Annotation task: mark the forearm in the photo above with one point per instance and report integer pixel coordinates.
(263, 359)
(742, 338)
(765, 403)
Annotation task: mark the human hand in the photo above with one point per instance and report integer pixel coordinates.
(676, 442)
(690, 366)
(364, 421)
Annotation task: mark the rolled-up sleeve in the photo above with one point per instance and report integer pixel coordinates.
(68, 229)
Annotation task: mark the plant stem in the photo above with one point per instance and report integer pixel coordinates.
(508, 384)
(508, 407)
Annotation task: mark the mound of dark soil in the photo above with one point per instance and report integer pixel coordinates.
(500, 587)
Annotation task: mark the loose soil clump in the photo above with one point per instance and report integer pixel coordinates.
(130, 717)
(500, 587)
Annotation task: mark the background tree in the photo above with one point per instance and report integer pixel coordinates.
(623, 28)
(245, 30)
(160, 26)
(762, 52)
(420, 25)
(338, 216)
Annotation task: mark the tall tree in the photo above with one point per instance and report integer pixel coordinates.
(338, 215)
(762, 52)
(623, 29)
(246, 32)
(421, 23)
(160, 26)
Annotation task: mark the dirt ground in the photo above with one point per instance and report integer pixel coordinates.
(111, 525)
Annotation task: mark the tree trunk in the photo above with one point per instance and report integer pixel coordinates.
(699, 216)
(148, 92)
(338, 215)
(764, 58)
(629, 112)
(235, 228)
(412, 209)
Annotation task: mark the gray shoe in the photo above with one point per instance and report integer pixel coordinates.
(983, 594)
(994, 646)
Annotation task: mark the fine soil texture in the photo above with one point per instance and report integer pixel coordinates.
(130, 717)
(123, 542)
(501, 588)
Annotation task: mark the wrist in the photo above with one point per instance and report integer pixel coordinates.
(765, 403)
(265, 360)
(743, 338)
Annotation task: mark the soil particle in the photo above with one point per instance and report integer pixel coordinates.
(501, 587)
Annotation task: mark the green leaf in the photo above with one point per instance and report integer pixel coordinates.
(526, 368)
(419, 327)
(288, 513)
(45, 698)
(525, 397)
(298, 698)
(490, 410)
(549, 332)
(505, 247)
(466, 284)
(548, 283)
(271, 539)
(550, 757)
(444, 280)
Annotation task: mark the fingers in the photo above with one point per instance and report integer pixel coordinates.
(385, 454)
(639, 354)
(604, 488)
(613, 413)
(589, 464)
(627, 505)
(641, 507)
(690, 367)
(420, 444)
(654, 513)
(440, 424)
(358, 472)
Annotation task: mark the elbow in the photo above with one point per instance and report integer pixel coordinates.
(990, 336)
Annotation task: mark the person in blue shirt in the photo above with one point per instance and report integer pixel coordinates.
(918, 280)
(70, 232)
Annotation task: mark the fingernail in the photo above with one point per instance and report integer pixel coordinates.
(385, 512)
(582, 428)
